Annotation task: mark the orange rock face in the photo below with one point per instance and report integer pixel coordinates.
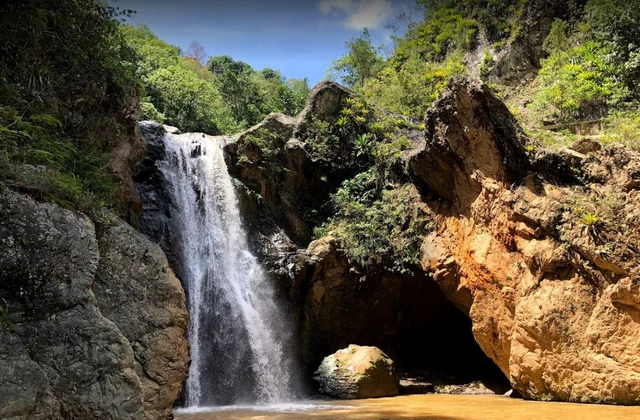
(540, 251)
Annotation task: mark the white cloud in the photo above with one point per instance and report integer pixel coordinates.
(359, 14)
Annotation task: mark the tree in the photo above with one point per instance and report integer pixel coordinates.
(196, 52)
(152, 53)
(223, 63)
(362, 61)
(189, 102)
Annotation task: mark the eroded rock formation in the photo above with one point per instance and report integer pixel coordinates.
(92, 326)
(550, 287)
(294, 187)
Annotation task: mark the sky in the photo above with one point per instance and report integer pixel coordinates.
(298, 38)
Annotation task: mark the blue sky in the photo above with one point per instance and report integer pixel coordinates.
(299, 38)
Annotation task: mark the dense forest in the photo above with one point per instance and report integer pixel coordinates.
(75, 79)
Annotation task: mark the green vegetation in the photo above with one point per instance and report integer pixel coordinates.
(63, 98)
(218, 96)
(377, 224)
(578, 80)
(423, 61)
(590, 70)
(72, 79)
(376, 218)
(623, 127)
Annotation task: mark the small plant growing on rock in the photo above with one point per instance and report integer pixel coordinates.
(342, 124)
(361, 144)
(591, 221)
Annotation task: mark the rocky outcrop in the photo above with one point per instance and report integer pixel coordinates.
(543, 261)
(538, 248)
(271, 160)
(357, 372)
(519, 61)
(137, 290)
(60, 356)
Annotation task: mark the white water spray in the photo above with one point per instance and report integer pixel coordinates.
(241, 349)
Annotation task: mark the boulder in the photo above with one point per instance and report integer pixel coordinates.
(357, 372)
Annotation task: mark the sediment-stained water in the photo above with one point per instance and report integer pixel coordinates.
(424, 407)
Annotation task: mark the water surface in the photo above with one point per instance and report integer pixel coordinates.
(424, 407)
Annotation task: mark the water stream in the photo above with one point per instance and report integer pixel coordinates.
(240, 341)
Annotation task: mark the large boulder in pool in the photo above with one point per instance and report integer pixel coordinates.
(357, 372)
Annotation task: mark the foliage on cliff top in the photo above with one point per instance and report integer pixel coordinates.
(218, 96)
(381, 225)
(66, 90)
(376, 218)
(591, 68)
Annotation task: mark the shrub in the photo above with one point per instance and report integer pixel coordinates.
(623, 127)
(579, 83)
(377, 226)
(149, 112)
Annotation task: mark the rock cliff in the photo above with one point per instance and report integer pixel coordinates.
(537, 248)
(92, 319)
(546, 268)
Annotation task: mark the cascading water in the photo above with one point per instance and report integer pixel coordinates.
(241, 350)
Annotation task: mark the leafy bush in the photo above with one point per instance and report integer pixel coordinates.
(188, 102)
(66, 97)
(35, 158)
(579, 82)
(342, 143)
(409, 89)
(377, 226)
(149, 112)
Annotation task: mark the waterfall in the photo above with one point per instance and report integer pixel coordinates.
(241, 345)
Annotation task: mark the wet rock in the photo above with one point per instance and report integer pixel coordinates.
(155, 218)
(357, 372)
(411, 386)
(472, 388)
